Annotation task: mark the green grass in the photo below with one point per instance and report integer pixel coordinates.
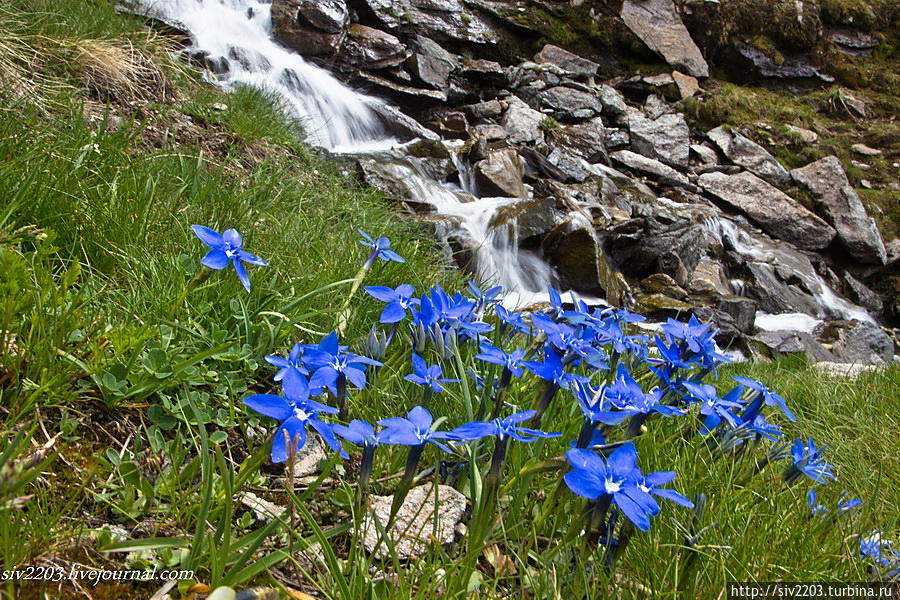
(123, 363)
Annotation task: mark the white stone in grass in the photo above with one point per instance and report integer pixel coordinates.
(415, 526)
(843, 370)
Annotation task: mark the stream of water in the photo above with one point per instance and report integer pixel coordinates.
(237, 35)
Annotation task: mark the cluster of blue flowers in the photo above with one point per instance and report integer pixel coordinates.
(598, 355)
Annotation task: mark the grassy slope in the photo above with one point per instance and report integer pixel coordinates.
(96, 262)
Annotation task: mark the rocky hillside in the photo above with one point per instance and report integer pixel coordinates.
(739, 157)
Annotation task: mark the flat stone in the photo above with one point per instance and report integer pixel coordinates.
(789, 66)
(587, 139)
(749, 155)
(485, 72)
(485, 110)
(649, 166)
(660, 80)
(611, 99)
(774, 211)
(666, 139)
(570, 63)
(844, 370)
(807, 136)
(658, 24)
(706, 154)
(794, 342)
(843, 208)
(688, 86)
(435, 19)
(490, 131)
(865, 150)
(419, 523)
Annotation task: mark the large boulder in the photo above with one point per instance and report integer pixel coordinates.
(750, 155)
(500, 174)
(658, 25)
(774, 211)
(666, 139)
(861, 342)
(311, 27)
(572, 64)
(842, 207)
(368, 48)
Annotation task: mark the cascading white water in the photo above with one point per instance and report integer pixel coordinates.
(239, 33)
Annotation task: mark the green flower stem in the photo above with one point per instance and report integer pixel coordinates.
(199, 277)
(544, 402)
(584, 436)
(343, 314)
(505, 380)
(412, 463)
(341, 385)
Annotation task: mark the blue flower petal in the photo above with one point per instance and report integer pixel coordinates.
(242, 274)
(270, 406)
(215, 259)
(210, 237)
(231, 236)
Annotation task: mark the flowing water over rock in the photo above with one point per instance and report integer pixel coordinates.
(525, 200)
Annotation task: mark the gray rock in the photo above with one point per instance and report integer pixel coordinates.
(311, 27)
(419, 523)
(407, 92)
(865, 150)
(688, 86)
(500, 174)
(571, 64)
(435, 19)
(490, 131)
(587, 140)
(611, 99)
(666, 139)
(431, 64)
(400, 124)
(369, 48)
(522, 123)
(660, 80)
(861, 294)
(564, 99)
(658, 25)
(655, 107)
(484, 72)
(570, 164)
(750, 155)
(648, 166)
(843, 208)
(788, 66)
(539, 218)
(617, 138)
(573, 249)
(485, 110)
(705, 154)
(774, 211)
(794, 342)
(863, 343)
(844, 370)
(742, 310)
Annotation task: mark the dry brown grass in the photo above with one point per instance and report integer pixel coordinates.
(119, 71)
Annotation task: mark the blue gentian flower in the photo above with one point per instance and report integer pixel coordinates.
(650, 484)
(290, 366)
(769, 396)
(815, 509)
(670, 355)
(881, 551)
(763, 428)
(697, 340)
(713, 408)
(512, 361)
(296, 411)
(381, 248)
(226, 248)
(845, 505)
(398, 301)
(357, 432)
(330, 363)
(502, 428)
(513, 320)
(414, 430)
(484, 298)
(552, 369)
(425, 375)
(808, 461)
(591, 477)
(628, 398)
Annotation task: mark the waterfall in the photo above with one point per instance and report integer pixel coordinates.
(238, 35)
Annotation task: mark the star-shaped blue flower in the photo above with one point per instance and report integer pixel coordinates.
(502, 428)
(226, 248)
(425, 375)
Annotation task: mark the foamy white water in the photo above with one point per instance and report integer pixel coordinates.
(238, 33)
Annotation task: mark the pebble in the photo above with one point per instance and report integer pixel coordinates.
(865, 150)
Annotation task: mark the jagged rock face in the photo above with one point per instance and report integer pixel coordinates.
(842, 207)
(311, 27)
(430, 64)
(749, 155)
(774, 211)
(522, 123)
(587, 140)
(648, 166)
(657, 24)
(566, 102)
